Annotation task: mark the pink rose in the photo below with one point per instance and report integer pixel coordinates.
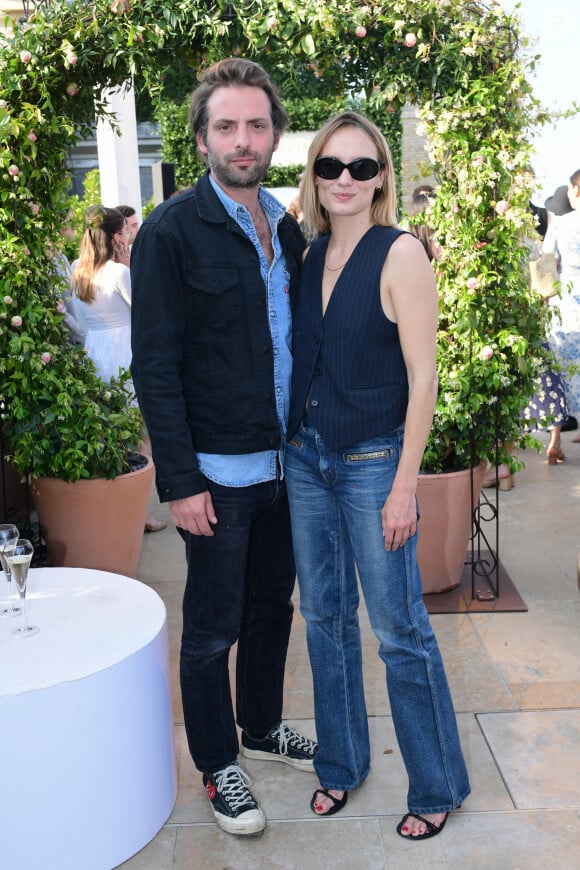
(272, 23)
(486, 352)
(32, 136)
(360, 31)
(8, 300)
(72, 89)
(34, 208)
(477, 161)
(472, 283)
(16, 321)
(27, 251)
(72, 59)
(45, 357)
(13, 170)
(25, 56)
(410, 40)
(502, 206)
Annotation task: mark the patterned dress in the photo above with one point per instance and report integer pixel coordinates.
(565, 334)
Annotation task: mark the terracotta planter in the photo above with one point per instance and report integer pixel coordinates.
(446, 510)
(95, 523)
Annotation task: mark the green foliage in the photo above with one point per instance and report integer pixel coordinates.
(78, 207)
(284, 176)
(177, 144)
(463, 64)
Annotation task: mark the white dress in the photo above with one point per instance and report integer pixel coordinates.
(564, 237)
(108, 320)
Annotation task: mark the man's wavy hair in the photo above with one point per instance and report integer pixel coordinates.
(233, 72)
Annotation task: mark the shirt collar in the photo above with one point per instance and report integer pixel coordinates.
(273, 209)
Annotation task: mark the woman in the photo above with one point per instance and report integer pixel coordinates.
(564, 238)
(101, 289)
(421, 199)
(364, 387)
(549, 401)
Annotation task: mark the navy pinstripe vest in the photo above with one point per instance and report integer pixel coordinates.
(348, 362)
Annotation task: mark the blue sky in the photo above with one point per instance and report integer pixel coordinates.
(555, 27)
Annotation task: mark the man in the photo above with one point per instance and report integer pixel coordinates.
(214, 274)
(131, 221)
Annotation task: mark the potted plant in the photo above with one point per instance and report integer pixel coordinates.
(490, 348)
(75, 438)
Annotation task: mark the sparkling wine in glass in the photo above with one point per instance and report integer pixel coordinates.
(8, 538)
(19, 562)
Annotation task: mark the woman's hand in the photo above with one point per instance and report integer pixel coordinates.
(399, 518)
(121, 253)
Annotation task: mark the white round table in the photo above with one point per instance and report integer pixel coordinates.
(87, 763)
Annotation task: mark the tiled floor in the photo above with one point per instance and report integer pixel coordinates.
(515, 679)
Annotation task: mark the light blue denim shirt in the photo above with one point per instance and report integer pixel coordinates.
(248, 469)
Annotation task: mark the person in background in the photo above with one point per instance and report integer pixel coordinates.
(549, 399)
(563, 238)
(101, 290)
(421, 200)
(364, 386)
(132, 221)
(62, 266)
(215, 275)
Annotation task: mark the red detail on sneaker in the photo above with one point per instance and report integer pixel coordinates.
(211, 790)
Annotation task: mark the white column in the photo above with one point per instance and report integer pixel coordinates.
(118, 151)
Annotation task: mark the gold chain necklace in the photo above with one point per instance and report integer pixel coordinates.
(336, 269)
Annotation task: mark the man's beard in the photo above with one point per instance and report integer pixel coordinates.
(229, 175)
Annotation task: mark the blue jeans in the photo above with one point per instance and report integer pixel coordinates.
(335, 504)
(239, 588)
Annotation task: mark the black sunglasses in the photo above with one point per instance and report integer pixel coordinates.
(362, 169)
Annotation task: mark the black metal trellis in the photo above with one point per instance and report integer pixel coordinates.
(30, 6)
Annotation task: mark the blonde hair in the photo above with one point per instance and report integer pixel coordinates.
(96, 249)
(384, 206)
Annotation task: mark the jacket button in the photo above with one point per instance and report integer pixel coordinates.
(314, 403)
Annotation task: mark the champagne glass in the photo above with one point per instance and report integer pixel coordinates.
(8, 537)
(19, 561)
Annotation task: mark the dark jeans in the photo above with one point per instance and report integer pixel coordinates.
(239, 586)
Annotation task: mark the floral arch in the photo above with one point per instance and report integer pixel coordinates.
(462, 63)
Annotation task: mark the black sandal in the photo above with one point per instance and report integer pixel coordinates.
(432, 830)
(338, 803)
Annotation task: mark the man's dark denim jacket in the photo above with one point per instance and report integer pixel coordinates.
(202, 351)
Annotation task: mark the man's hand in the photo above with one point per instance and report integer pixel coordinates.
(194, 514)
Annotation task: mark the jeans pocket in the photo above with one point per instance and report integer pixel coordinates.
(368, 456)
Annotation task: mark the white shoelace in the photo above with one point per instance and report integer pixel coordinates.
(287, 735)
(234, 783)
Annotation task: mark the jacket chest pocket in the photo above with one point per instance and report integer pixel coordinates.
(214, 295)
